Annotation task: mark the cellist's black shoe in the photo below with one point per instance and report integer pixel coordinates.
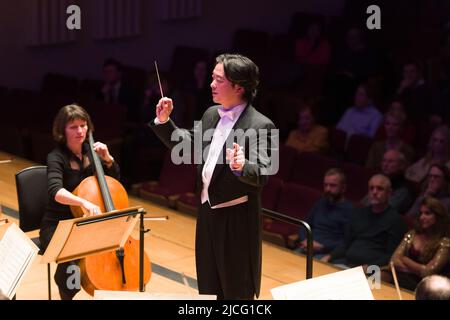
(65, 295)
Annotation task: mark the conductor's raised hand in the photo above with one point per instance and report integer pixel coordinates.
(164, 109)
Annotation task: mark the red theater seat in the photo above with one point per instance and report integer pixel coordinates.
(295, 201)
(174, 180)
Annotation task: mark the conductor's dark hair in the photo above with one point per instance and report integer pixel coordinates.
(65, 115)
(242, 71)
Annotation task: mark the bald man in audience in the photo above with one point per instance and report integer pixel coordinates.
(374, 232)
(393, 165)
(433, 287)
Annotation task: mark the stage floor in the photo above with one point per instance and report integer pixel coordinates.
(170, 247)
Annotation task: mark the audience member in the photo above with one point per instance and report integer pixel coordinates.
(115, 90)
(436, 185)
(438, 153)
(309, 137)
(198, 86)
(425, 250)
(363, 118)
(374, 232)
(393, 127)
(153, 94)
(329, 216)
(313, 48)
(393, 166)
(357, 60)
(433, 287)
(413, 90)
(409, 129)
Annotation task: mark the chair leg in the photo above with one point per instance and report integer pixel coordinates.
(49, 282)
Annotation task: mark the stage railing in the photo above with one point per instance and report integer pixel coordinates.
(301, 224)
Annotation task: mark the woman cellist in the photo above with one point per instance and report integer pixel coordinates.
(68, 164)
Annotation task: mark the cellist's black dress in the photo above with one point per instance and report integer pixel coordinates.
(61, 174)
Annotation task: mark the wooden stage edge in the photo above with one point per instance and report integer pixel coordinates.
(170, 247)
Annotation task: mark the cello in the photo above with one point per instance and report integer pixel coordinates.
(117, 270)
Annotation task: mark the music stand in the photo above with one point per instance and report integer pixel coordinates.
(73, 238)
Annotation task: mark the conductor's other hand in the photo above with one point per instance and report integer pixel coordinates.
(164, 109)
(236, 157)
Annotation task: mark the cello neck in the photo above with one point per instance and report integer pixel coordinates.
(106, 195)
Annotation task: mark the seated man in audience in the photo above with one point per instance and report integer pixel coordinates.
(433, 287)
(309, 137)
(413, 90)
(393, 129)
(329, 216)
(374, 232)
(393, 166)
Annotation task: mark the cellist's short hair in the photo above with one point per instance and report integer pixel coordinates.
(65, 115)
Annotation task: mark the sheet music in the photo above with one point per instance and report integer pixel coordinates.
(16, 256)
(349, 284)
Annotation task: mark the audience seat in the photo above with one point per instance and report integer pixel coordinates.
(251, 43)
(357, 180)
(338, 140)
(137, 78)
(287, 159)
(188, 203)
(91, 88)
(183, 61)
(300, 21)
(54, 83)
(13, 140)
(309, 169)
(358, 148)
(174, 180)
(41, 143)
(3, 93)
(296, 201)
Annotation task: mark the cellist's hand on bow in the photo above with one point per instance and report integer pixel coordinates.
(102, 150)
(91, 209)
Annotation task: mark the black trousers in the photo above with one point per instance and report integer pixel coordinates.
(222, 252)
(62, 273)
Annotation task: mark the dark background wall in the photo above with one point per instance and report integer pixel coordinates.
(23, 65)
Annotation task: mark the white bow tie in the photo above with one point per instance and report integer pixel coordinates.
(226, 113)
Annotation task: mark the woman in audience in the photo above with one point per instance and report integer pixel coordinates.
(425, 249)
(435, 185)
(409, 128)
(309, 137)
(393, 127)
(438, 153)
(313, 48)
